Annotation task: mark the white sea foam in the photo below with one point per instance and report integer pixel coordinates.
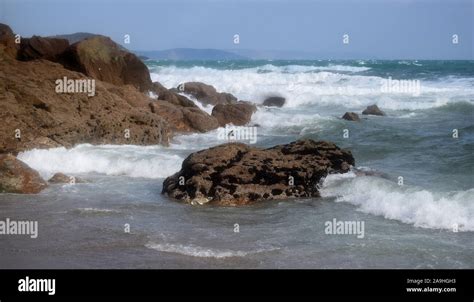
(281, 122)
(133, 161)
(327, 86)
(94, 211)
(415, 206)
(202, 252)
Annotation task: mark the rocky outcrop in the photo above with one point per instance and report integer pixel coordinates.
(206, 94)
(373, 110)
(182, 118)
(42, 48)
(8, 47)
(274, 101)
(351, 116)
(180, 112)
(237, 174)
(61, 178)
(18, 177)
(101, 58)
(238, 113)
(227, 109)
(34, 115)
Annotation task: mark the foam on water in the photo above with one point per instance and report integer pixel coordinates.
(202, 252)
(407, 204)
(326, 86)
(280, 121)
(133, 161)
(94, 211)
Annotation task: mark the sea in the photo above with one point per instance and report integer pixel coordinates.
(412, 186)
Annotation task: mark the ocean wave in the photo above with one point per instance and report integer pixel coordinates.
(419, 207)
(308, 69)
(280, 119)
(306, 85)
(128, 160)
(460, 107)
(202, 252)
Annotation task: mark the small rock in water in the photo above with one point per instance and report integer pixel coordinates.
(60, 178)
(274, 101)
(351, 116)
(373, 110)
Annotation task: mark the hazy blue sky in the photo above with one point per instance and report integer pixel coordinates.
(377, 29)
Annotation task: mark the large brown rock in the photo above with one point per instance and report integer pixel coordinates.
(238, 114)
(206, 94)
(237, 174)
(18, 177)
(8, 47)
(42, 48)
(101, 58)
(30, 107)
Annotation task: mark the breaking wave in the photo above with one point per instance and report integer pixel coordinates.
(411, 205)
(128, 160)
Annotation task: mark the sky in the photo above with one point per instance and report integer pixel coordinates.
(377, 29)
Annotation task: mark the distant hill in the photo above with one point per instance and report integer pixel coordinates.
(299, 55)
(183, 54)
(76, 37)
(191, 54)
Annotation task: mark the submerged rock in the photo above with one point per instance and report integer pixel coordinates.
(237, 174)
(274, 101)
(351, 116)
(373, 110)
(18, 177)
(61, 178)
